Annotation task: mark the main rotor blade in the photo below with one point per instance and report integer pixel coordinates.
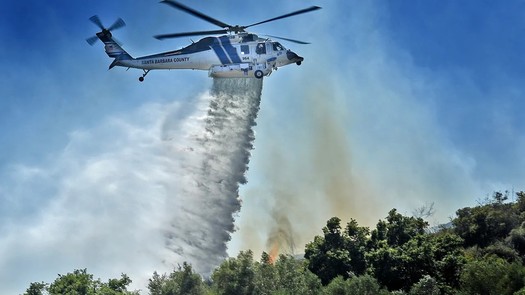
(199, 33)
(291, 40)
(97, 21)
(195, 13)
(119, 23)
(286, 15)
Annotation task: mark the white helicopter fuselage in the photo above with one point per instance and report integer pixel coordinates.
(228, 56)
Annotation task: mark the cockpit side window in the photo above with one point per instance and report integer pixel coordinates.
(277, 46)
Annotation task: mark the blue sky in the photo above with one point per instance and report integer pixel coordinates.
(397, 104)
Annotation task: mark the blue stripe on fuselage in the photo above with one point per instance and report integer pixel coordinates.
(220, 53)
(232, 52)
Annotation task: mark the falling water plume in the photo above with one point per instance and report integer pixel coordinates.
(219, 153)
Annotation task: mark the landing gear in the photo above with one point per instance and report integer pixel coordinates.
(141, 79)
(258, 74)
(298, 63)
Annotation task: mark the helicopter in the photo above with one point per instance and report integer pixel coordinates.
(238, 54)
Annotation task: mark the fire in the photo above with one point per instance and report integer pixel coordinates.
(274, 252)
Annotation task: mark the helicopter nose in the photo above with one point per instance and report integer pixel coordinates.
(293, 57)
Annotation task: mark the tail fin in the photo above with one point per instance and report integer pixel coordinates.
(113, 49)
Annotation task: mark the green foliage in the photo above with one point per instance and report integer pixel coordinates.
(338, 286)
(80, 282)
(265, 276)
(361, 285)
(365, 285)
(520, 202)
(400, 229)
(482, 253)
(516, 240)
(242, 275)
(449, 259)
(492, 275)
(294, 278)
(400, 251)
(36, 289)
(179, 282)
(338, 253)
(235, 275)
(501, 250)
(356, 242)
(483, 225)
(426, 286)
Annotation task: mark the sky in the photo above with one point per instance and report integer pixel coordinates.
(398, 104)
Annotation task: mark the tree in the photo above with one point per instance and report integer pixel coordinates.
(492, 275)
(235, 275)
(327, 256)
(399, 251)
(400, 229)
(356, 242)
(78, 282)
(337, 286)
(516, 240)
(265, 276)
(119, 285)
(337, 252)
(520, 202)
(36, 288)
(364, 285)
(359, 285)
(180, 282)
(448, 257)
(426, 286)
(293, 277)
(485, 224)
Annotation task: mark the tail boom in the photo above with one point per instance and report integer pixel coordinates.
(113, 49)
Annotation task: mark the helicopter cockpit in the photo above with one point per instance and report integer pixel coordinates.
(268, 47)
(277, 46)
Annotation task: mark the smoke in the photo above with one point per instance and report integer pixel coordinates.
(309, 179)
(142, 191)
(361, 135)
(211, 192)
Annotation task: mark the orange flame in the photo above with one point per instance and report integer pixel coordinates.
(274, 252)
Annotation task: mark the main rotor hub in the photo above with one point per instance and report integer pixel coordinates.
(237, 29)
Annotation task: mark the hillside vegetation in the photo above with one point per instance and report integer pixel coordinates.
(482, 251)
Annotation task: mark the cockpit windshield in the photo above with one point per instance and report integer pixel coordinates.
(277, 46)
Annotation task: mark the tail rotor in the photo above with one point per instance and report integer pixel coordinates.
(105, 32)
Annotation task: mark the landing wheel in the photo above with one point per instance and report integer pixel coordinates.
(144, 75)
(258, 74)
(298, 63)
